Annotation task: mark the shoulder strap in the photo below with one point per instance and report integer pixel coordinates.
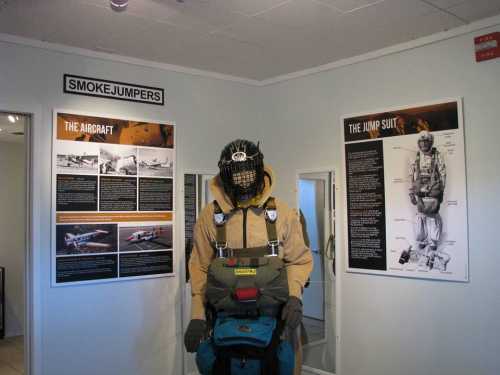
(417, 165)
(434, 169)
(220, 219)
(271, 215)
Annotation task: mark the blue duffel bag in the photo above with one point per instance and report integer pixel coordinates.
(244, 334)
(255, 332)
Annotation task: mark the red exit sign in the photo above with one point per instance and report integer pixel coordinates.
(487, 46)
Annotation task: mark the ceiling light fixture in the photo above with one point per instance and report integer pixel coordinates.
(118, 5)
(11, 118)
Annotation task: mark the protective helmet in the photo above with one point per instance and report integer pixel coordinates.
(425, 141)
(241, 167)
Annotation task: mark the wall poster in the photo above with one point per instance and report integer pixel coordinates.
(190, 215)
(112, 199)
(405, 200)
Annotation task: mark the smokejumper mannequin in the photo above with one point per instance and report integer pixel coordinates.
(249, 260)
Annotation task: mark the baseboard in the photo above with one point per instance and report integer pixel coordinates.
(306, 370)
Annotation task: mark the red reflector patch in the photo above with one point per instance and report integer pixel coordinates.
(232, 262)
(247, 294)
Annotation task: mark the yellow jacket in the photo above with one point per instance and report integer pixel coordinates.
(296, 255)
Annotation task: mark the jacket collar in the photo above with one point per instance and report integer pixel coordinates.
(223, 199)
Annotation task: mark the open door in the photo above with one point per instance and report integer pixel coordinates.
(196, 196)
(14, 234)
(316, 206)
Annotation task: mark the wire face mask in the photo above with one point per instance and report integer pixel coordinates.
(241, 168)
(244, 179)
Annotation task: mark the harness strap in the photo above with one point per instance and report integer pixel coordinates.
(434, 170)
(220, 220)
(417, 166)
(271, 215)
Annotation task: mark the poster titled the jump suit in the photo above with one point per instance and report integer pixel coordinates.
(405, 195)
(112, 199)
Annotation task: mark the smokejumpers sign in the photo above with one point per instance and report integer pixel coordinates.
(405, 201)
(113, 198)
(113, 90)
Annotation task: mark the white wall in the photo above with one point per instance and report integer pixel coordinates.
(12, 232)
(398, 326)
(127, 327)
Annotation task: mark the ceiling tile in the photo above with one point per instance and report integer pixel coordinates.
(224, 55)
(250, 7)
(350, 5)
(477, 9)
(304, 14)
(203, 16)
(444, 4)
(25, 18)
(262, 33)
(431, 23)
(147, 9)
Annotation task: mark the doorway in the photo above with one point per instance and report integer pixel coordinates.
(13, 244)
(316, 202)
(197, 194)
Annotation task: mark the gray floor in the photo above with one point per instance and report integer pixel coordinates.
(315, 329)
(12, 356)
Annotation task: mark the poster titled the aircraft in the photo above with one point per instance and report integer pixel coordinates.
(113, 194)
(405, 196)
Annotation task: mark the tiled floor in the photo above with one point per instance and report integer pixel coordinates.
(12, 356)
(315, 329)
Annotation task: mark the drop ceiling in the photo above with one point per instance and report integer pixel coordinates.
(253, 39)
(12, 132)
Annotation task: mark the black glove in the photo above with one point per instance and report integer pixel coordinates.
(195, 332)
(292, 312)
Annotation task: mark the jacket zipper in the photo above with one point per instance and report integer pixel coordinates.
(245, 209)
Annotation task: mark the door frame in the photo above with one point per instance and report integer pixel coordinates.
(335, 194)
(186, 287)
(32, 308)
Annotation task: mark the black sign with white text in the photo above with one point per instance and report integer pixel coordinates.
(113, 90)
(366, 205)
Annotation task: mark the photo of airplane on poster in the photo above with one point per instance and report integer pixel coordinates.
(86, 239)
(118, 160)
(145, 237)
(77, 159)
(156, 162)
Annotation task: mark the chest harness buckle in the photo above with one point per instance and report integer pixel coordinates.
(220, 220)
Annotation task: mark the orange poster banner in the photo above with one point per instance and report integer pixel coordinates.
(81, 128)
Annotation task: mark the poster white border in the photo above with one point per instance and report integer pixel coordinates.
(53, 184)
(461, 130)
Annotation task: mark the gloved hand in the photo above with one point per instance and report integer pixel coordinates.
(195, 332)
(292, 312)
